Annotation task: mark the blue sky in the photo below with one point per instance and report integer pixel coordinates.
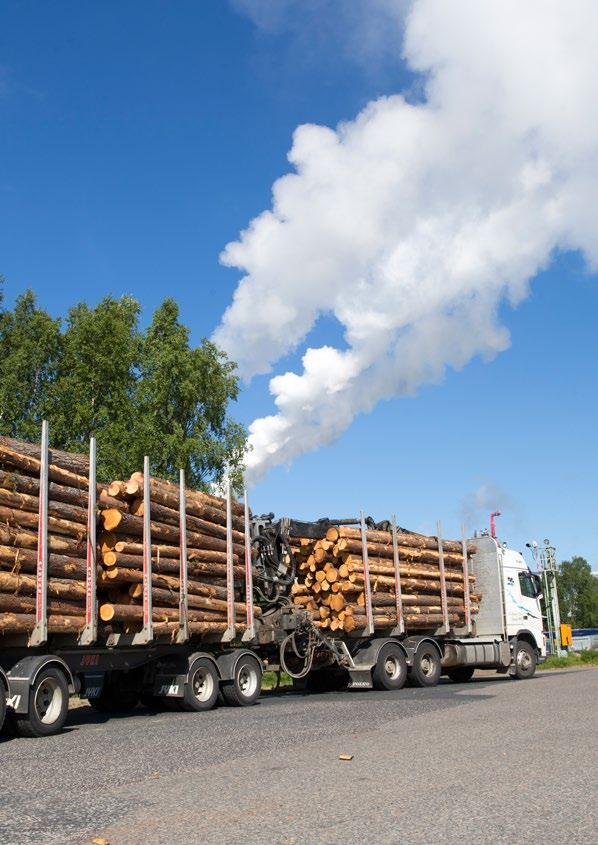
(137, 139)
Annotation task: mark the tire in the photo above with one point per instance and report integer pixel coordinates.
(117, 696)
(526, 660)
(201, 689)
(48, 705)
(427, 668)
(245, 687)
(461, 674)
(390, 671)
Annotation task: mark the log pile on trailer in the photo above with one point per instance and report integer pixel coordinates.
(67, 480)
(169, 561)
(213, 542)
(397, 580)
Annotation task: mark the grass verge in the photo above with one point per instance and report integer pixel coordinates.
(573, 659)
(269, 680)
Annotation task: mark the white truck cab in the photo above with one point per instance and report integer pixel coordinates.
(507, 633)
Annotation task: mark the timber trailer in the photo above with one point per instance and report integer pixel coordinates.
(38, 672)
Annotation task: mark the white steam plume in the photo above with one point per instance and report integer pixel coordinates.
(412, 223)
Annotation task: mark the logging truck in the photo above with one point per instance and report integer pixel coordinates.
(334, 603)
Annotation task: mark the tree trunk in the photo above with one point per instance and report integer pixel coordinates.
(404, 538)
(56, 492)
(25, 604)
(170, 516)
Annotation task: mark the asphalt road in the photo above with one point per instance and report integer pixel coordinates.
(492, 761)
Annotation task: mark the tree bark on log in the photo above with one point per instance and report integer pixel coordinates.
(354, 563)
(135, 488)
(71, 461)
(28, 540)
(404, 538)
(32, 466)
(169, 516)
(348, 546)
(26, 519)
(117, 521)
(109, 541)
(170, 500)
(25, 502)
(160, 564)
(25, 560)
(56, 492)
(10, 603)
(21, 623)
(26, 585)
(134, 613)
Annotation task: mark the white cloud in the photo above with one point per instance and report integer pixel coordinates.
(412, 223)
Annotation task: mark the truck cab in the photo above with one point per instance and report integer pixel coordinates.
(521, 591)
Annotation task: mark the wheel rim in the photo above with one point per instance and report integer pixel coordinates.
(48, 701)
(427, 665)
(203, 685)
(248, 681)
(524, 659)
(392, 667)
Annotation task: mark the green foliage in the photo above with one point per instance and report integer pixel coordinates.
(139, 392)
(578, 593)
(181, 397)
(29, 351)
(572, 660)
(92, 393)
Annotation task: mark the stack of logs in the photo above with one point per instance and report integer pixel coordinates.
(121, 548)
(68, 489)
(331, 581)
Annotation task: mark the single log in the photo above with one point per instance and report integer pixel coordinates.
(56, 492)
(25, 604)
(134, 613)
(25, 502)
(404, 538)
(25, 560)
(164, 498)
(135, 488)
(354, 563)
(71, 461)
(109, 541)
(16, 623)
(161, 564)
(381, 599)
(168, 598)
(208, 591)
(26, 519)
(26, 585)
(346, 545)
(28, 540)
(196, 629)
(9, 457)
(206, 525)
(115, 520)
(408, 584)
(196, 588)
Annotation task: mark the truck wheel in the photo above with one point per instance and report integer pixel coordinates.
(426, 668)
(525, 660)
(461, 674)
(48, 705)
(390, 671)
(245, 687)
(201, 689)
